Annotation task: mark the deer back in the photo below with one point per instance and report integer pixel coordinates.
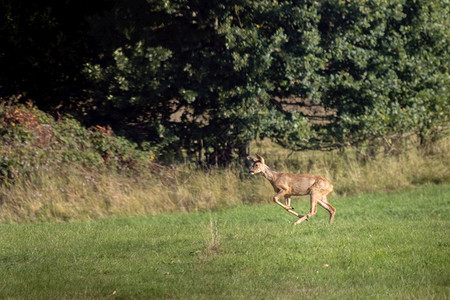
(300, 184)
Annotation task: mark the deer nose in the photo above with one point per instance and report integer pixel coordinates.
(252, 173)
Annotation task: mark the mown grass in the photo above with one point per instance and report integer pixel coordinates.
(381, 246)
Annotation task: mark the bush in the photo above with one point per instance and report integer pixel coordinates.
(33, 141)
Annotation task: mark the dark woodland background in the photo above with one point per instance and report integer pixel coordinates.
(201, 79)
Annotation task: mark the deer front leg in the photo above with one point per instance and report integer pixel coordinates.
(288, 201)
(288, 207)
(280, 194)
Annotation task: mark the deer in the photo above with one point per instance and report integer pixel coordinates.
(288, 184)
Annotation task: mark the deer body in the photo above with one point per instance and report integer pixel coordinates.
(287, 185)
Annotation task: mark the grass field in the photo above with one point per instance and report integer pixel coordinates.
(381, 246)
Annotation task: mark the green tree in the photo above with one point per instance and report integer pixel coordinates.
(383, 71)
(206, 77)
(205, 89)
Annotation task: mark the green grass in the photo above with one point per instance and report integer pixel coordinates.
(381, 246)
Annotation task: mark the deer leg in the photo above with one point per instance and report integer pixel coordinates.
(325, 204)
(294, 213)
(288, 208)
(312, 211)
(288, 201)
(280, 194)
(291, 208)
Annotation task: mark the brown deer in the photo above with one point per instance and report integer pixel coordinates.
(287, 185)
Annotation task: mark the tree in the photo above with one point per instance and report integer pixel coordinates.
(203, 78)
(212, 73)
(382, 70)
(44, 47)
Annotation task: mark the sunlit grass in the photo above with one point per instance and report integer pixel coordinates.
(381, 246)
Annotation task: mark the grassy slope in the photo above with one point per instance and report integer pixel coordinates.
(380, 246)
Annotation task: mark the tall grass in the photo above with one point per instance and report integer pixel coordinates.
(352, 172)
(74, 193)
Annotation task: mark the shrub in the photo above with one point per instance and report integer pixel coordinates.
(32, 140)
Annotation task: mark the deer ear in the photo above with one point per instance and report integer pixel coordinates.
(251, 159)
(261, 159)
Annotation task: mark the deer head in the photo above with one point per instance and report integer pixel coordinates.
(257, 164)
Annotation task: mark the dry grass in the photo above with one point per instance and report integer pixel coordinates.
(352, 174)
(76, 194)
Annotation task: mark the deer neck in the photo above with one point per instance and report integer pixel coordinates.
(269, 174)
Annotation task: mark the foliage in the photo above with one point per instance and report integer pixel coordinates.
(377, 68)
(33, 141)
(204, 78)
(386, 68)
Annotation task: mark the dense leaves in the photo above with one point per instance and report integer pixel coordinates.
(207, 77)
(33, 141)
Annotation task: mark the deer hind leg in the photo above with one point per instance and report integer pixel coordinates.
(325, 204)
(314, 198)
(287, 207)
